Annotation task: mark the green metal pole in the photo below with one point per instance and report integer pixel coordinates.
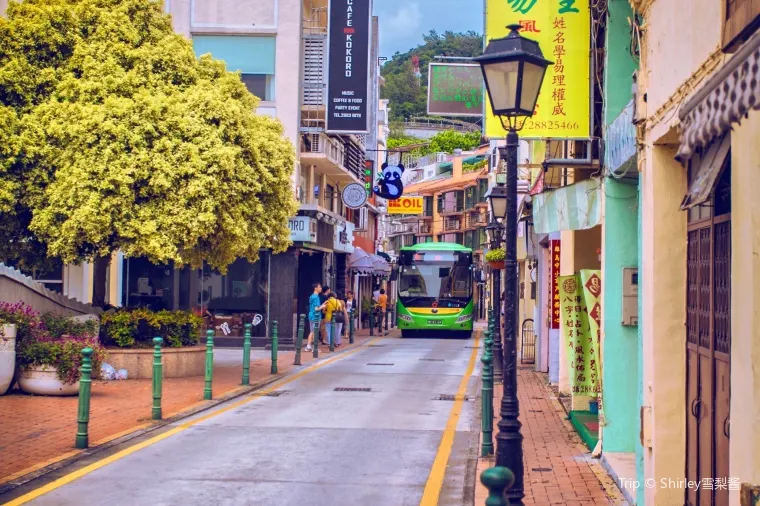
(387, 319)
(351, 328)
(209, 364)
(497, 480)
(247, 355)
(331, 334)
(487, 400)
(83, 411)
(372, 323)
(275, 340)
(315, 352)
(299, 339)
(158, 378)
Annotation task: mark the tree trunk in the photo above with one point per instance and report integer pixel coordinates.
(100, 275)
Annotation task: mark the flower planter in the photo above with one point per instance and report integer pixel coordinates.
(178, 362)
(43, 380)
(7, 356)
(497, 264)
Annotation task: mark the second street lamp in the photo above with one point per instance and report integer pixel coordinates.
(495, 231)
(513, 68)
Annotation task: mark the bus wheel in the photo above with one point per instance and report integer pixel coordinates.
(404, 334)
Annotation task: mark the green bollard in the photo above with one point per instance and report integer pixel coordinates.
(315, 352)
(487, 400)
(275, 340)
(351, 327)
(83, 412)
(247, 355)
(158, 378)
(331, 334)
(209, 364)
(497, 480)
(372, 323)
(299, 339)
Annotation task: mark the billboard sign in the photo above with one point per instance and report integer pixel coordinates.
(455, 89)
(405, 205)
(562, 28)
(348, 67)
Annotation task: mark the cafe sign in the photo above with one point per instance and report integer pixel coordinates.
(344, 237)
(303, 229)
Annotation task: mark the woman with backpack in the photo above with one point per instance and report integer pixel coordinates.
(334, 307)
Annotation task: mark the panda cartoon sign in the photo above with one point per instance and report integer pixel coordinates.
(389, 185)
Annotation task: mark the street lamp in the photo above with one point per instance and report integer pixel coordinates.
(495, 231)
(513, 68)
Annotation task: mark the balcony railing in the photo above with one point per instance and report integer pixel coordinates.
(426, 229)
(473, 220)
(323, 145)
(452, 225)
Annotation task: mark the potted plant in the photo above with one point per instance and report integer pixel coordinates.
(7, 354)
(495, 258)
(52, 366)
(49, 349)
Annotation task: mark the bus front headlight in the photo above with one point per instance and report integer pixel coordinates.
(464, 318)
(405, 317)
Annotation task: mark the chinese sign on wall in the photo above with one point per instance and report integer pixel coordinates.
(562, 29)
(455, 89)
(405, 205)
(555, 252)
(581, 311)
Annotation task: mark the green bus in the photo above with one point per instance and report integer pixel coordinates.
(435, 289)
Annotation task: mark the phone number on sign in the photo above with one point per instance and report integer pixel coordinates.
(551, 125)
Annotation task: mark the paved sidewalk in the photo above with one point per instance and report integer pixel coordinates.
(38, 431)
(558, 469)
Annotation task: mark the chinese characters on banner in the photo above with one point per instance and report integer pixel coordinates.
(562, 28)
(555, 252)
(581, 318)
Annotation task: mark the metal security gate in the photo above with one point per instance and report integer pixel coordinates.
(528, 355)
(708, 359)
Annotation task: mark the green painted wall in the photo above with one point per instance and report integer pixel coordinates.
(620, 372)
(620, 64)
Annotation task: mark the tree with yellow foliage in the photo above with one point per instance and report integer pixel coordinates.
(114, 136)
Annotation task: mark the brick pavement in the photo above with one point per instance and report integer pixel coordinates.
(36, 431)
(558, 469)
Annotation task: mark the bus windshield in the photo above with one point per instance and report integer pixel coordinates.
(436, 275)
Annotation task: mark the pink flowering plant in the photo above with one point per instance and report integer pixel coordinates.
(52, 340)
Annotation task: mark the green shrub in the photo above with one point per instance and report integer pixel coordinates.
(496, 255)
(137, 328)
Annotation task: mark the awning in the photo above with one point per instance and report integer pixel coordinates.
(381, 266)
(573, 207)
(360, 261)
(706, 169)
(726, 98)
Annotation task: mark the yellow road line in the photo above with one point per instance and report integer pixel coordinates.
(438, 471)
(64, 480)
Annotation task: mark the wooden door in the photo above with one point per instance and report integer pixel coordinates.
(708, 347)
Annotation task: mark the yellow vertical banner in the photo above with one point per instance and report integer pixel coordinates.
(563, 29)
(576, 333)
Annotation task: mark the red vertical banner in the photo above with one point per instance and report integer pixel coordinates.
(555, 256)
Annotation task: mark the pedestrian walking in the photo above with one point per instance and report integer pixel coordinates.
(333, 307)
(323, 325)
(315, 314)
(380, 308)
(341, 317)
(350, 305)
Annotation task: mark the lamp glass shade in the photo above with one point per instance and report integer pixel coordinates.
(503, 80)
(532, 77)
(497, 202)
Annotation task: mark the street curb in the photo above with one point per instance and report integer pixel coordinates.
(141, 430)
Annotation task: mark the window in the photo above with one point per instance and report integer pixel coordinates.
(440, 204)
(252, 56)
(482, 190)
(428, 206)
(742, 18)
(470, 195)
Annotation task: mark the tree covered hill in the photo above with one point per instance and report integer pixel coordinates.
(408, 92)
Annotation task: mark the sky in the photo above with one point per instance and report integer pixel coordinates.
(403, 22)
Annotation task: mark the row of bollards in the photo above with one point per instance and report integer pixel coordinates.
(496, 479)
(85, 381)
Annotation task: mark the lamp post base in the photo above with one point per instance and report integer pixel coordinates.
(509, 446)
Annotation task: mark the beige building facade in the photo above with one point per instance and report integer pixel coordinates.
(698, 127)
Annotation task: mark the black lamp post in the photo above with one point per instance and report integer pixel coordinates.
(495, 231)
(513, 69)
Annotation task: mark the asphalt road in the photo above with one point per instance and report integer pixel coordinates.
(310, 444)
